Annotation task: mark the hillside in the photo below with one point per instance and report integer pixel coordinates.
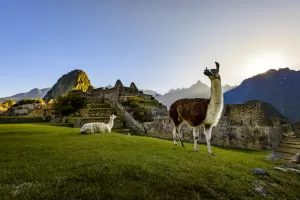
(277, 87)
(198, 90)
(74, 80)
(34, 93)
(51, 162)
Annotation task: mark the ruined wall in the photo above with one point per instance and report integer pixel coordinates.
(297, 129)
(241, 126)
(250, 113)
(224, 134)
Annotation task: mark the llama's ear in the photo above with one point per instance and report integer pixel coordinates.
(218, 65)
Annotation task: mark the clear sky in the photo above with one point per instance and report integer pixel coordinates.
(159, 44)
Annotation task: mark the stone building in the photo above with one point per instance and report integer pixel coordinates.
(241, 126)
(96, 95)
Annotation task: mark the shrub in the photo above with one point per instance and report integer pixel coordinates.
(139, 107)
(7, 104)
(69, 104)
(29, 101)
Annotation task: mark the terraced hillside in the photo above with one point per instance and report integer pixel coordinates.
(289, 148)
(99, 112)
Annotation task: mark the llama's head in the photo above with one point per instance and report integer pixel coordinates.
(82, 130)
(113, 116)
(213, 74)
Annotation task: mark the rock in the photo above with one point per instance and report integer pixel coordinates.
(261, 172)
(56, 120)
(296, 160)
(287, 165)
(280, 169)
(261, 190)
(273, 156)
(64, 119)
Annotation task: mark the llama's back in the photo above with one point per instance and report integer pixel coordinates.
(100, 127)
(193, 111)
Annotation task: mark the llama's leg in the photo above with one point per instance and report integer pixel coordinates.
(92, 128)
(195, 135)
(174, 136)
(179, 134)
(208, 130)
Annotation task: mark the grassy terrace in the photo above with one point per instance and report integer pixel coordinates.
(19, 117)
(39, 161)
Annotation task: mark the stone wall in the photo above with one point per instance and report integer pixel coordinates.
(99, 94)
(238, 136)
(95, 112)
(241, 126)
(297, 129)
(7, 120)
(250, 113)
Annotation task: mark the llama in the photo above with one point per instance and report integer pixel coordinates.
(98, 127)
(198, 112)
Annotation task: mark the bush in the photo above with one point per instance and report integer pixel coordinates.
(139, 107)
(69, 104)
(29, 101)
(7, 104)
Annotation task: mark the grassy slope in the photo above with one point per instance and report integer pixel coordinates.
(50, 162)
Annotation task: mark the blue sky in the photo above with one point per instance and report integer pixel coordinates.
(157, 44)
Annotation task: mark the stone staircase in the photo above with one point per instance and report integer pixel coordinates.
(289, 147)
(99, 112)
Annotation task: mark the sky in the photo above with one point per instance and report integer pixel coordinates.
(158, 44)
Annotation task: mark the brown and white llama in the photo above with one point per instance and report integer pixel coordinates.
(198, 112)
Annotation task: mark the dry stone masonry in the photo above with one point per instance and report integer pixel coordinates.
(241, 126)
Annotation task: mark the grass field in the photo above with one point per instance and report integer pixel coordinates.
(39, 161)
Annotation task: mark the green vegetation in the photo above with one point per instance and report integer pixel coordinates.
(29, 101)
(69, 104)
(140, 107)
(7, 104)
(19, 117)
(51, 162)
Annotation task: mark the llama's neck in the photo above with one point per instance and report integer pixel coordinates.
(215, 106)
(111, 123)
(216, 95)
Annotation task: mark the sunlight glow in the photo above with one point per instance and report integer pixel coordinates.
(261, 63)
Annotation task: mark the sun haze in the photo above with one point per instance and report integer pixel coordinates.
(157, 45)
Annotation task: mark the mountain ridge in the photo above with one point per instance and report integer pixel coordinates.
(277, 87)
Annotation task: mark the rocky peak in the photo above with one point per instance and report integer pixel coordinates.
(119, 83)
(74, 80)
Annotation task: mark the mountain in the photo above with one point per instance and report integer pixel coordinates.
(74, 80)
(34, 93)
(277, 87)
(198, 90)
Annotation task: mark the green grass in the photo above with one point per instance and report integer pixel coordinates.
(18, 117)
(39, 161)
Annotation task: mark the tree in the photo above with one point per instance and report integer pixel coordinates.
(69, 104)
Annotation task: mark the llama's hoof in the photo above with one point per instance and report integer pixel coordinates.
(195, 150)
(212, 154)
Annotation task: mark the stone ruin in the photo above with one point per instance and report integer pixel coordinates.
(241, 126)
(297, 129)
(98, 95)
